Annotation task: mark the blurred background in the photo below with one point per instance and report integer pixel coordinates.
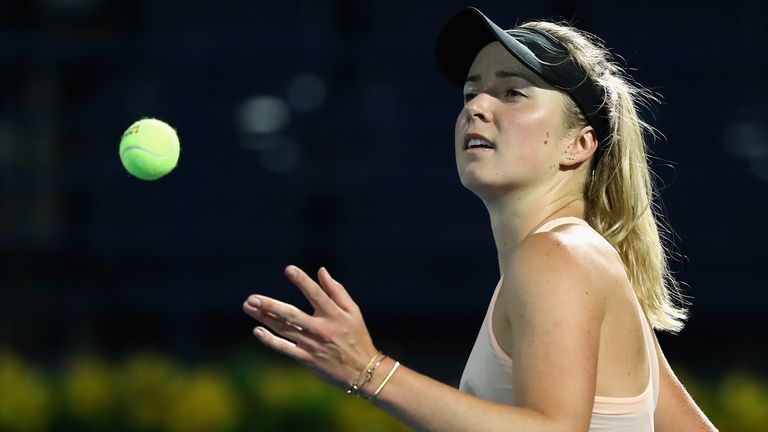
(320, 133)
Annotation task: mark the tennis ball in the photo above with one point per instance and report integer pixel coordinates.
(149, 149)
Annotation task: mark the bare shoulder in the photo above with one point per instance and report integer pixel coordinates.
(554, 304)
(570, 257)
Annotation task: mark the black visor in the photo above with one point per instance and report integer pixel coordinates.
(469, 31)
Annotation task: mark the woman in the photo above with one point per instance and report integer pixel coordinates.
(550, 140)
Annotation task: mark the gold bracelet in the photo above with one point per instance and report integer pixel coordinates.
(383, 383)
(365, 375)
(355, 389)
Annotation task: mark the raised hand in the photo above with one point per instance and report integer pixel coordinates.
(333, 342)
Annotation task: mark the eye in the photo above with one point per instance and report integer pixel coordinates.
(468, 96)
(512, 93)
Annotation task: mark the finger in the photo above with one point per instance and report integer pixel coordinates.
(281, 311)
(281, 345)
(335, 290)
(287, 330)
(311, 290)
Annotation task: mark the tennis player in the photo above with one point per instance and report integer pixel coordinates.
(550, 140)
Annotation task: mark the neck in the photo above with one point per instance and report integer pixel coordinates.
(514, 217)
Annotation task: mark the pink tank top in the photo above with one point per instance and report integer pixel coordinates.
(488, 374)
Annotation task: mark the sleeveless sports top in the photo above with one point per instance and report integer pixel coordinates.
(488, 373)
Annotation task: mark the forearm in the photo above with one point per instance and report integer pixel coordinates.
(425, 404)
(334, 343)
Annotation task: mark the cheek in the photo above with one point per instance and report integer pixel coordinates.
(533, 137)
(459, 126)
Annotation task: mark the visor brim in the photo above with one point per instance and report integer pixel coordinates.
(468, 32)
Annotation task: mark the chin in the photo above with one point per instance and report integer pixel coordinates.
(487, 186)
(475, 182)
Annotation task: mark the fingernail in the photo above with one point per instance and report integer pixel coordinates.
(329, 274)
(291, 270)
(253, 301)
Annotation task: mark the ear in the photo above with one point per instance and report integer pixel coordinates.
(580, 148)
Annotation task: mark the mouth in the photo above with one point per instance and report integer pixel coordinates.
(477, 142)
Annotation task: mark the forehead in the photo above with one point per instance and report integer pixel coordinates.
(494, 57)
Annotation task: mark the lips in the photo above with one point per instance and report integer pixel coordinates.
(473, 140)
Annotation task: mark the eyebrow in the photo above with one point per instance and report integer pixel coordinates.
(499, 74)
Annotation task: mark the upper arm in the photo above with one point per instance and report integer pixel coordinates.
(676, 410)
(555, 305)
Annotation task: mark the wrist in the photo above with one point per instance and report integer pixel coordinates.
(377, 384)
(365, 375)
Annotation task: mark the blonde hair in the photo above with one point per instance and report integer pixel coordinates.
(619, 196)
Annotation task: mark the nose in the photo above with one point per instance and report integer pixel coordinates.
(478, 108)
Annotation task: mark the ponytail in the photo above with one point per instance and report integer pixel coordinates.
(619, 196)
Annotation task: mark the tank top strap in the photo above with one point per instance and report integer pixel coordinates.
(560, 221)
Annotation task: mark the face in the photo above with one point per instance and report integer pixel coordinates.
(519, 114)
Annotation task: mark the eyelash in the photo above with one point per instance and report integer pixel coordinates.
(469, 96)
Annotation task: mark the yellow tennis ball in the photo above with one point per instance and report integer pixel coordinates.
(149, 149)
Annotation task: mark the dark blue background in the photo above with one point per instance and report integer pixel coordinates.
(92, 258)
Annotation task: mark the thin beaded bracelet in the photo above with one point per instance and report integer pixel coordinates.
(365, 375)
(355, 389)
